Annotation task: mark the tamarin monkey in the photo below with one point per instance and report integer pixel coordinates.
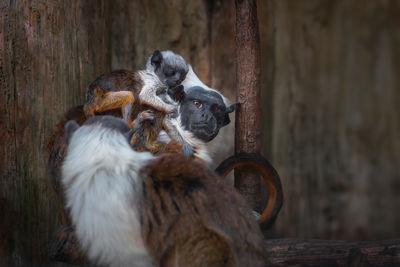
(121, 89)
(132, 208)
(201, 114)
(134, 92)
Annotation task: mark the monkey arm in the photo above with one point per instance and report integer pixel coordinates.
(148, 94)
(145, 130)
(173, 133)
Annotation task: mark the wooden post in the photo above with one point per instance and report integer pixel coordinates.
(248, 130)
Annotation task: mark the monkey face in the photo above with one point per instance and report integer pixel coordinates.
(170, 68)
(203, 112)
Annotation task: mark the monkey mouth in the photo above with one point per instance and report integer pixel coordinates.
(204, 131)
(200, 125)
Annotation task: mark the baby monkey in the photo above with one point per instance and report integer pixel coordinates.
(133, 208)
(121, 89)
(156, 88)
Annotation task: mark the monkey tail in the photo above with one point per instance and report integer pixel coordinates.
(270, 175)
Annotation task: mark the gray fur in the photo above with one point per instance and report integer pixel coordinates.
(156, 84)
(170, 68)
(101, 181)
(170, 58)
(152, 89)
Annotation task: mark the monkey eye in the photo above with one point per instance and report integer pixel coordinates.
(216, 110)
(197, 103)
(169, 72)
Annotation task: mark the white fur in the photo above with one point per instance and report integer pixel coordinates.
(100, 175)
(152, 87)
(200, 149)
(192, 80)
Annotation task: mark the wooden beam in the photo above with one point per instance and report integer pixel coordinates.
(281, 252)
(298, 252)
(248, 115)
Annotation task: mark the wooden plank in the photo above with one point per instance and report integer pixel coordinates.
(301, 252)
(49, 51)
(335, 123)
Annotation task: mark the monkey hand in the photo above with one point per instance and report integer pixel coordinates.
(172, 111)
(146, 115)
(187, 149)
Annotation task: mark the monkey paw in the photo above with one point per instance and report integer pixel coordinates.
(173, 113)
(147, 115)
(187, 149)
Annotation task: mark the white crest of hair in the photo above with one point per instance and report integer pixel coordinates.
(100, 175)
(200, 149)
(192, 80)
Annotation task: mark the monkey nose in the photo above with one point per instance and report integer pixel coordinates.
(205, 116)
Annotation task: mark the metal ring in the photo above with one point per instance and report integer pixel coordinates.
(271, 177)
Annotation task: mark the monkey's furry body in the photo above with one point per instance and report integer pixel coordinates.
(130, 208)
(100, 177)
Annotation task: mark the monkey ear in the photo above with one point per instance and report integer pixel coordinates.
(156, 58)
(232, 107)
(229, 109)
(70, 127)
(226, 120)
(177, 93)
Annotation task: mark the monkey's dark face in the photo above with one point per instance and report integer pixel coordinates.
(203, 112)
(170, 68)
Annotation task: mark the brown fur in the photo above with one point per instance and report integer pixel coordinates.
(103, 101)
(191, 217)
(145, 139)
(57, 147)
(115, 91)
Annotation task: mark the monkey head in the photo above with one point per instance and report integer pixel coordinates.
(170, 68)
(106, 121)
(203, 112)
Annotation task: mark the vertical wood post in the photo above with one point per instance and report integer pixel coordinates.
(248, 116)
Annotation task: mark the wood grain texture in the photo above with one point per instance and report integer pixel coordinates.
(335, 123)
(248, 115)
(297, 252)
(329, 93)
(140, 27)
(47, 58)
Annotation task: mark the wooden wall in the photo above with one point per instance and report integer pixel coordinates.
(49, 52)
(330, 88)
(336, 118)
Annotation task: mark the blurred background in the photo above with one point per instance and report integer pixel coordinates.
(330, 93)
